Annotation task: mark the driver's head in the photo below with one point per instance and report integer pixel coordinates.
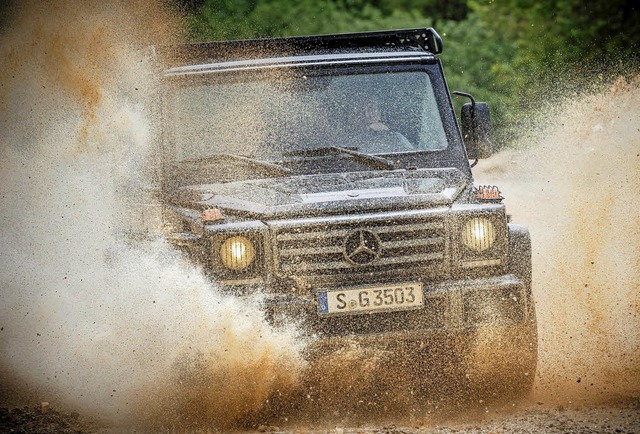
(367, 114)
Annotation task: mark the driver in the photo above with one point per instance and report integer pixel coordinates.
(372, 116)
(369, 133)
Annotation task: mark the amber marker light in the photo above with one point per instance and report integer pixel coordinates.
(237, 253)
(478, 234)
(489, 193)
(211, 215)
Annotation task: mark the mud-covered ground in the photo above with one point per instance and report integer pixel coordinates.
(619, 415)
(40, 419)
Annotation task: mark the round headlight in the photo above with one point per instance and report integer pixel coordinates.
(478, 234)
(237, 253)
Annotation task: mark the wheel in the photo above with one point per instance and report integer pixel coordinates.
(502, 361)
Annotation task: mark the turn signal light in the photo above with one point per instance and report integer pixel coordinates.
(211, 215)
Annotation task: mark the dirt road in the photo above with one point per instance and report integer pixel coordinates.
(620, 415)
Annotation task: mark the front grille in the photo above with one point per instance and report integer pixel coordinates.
(317, 250)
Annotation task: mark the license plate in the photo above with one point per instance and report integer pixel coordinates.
(401, 296)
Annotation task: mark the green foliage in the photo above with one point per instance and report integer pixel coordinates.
(228, 19)
(546, 47)
(506, 52)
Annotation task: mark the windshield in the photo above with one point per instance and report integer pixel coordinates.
(271, 118)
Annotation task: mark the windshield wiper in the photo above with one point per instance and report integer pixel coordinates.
(372, 161)
(272, 167)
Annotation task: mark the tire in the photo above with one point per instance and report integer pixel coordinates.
(502, 359)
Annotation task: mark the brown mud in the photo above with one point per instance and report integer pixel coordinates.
(576, 184)
(128, 333)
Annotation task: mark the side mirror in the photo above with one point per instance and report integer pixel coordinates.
(476, 129)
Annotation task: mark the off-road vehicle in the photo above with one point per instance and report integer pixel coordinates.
(329, 173)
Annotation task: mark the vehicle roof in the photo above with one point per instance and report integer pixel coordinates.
(300, 50)
(299, 61)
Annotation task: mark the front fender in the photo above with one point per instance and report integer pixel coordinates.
(519, 256)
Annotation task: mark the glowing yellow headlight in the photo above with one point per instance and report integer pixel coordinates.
(237, 253)
(478, 234)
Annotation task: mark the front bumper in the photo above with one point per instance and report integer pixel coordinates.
(449, 307)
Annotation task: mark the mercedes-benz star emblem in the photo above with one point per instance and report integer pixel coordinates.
(361, 247)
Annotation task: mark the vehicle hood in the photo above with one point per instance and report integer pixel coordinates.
(328, 193)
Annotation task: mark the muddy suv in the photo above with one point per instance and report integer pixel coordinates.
(329, 174)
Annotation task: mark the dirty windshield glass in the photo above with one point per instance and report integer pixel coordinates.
(272, 118)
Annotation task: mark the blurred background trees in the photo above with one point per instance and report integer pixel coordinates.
(512, 53)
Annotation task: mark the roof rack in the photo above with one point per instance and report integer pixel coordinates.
(425, 39)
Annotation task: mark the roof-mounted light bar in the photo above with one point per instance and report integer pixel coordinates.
(425, 39)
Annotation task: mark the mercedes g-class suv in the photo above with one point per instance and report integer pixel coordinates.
(329, 173)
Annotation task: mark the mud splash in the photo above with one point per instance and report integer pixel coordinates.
(576, 183)
(89, 320)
